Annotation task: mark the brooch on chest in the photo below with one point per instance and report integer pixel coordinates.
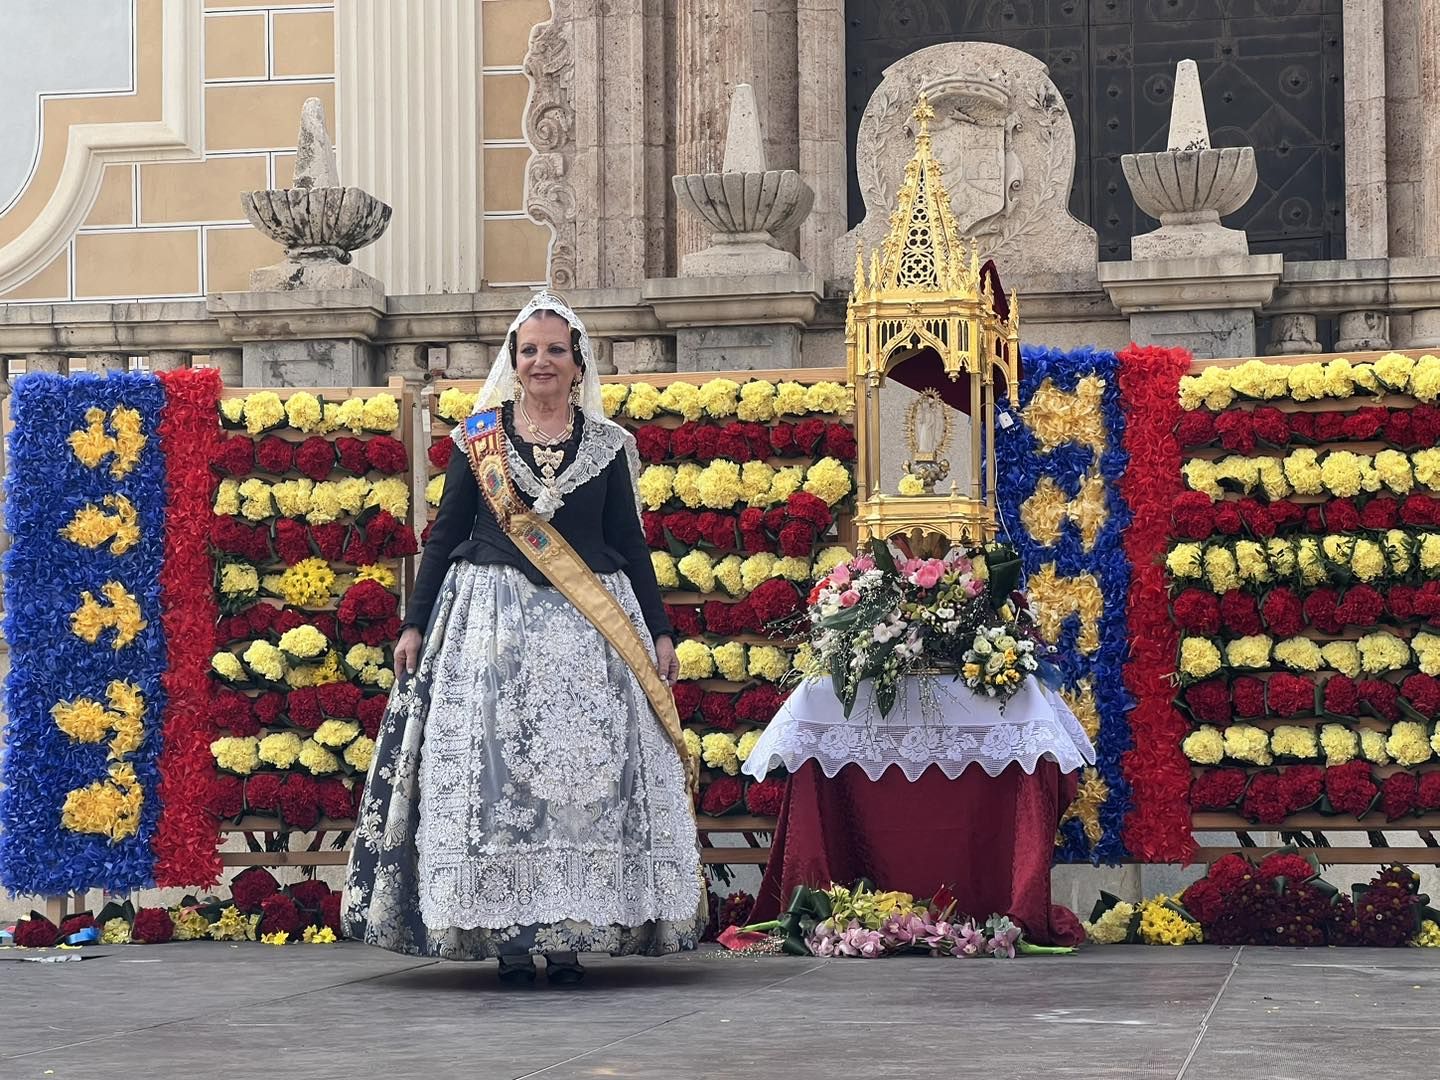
(548, 459)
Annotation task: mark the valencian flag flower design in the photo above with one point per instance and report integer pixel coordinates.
(92, 582)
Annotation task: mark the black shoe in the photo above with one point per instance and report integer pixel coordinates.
(563, 969)
(517, 972)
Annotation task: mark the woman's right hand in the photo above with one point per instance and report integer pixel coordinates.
(407, 651)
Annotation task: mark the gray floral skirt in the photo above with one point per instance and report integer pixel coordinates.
(523, 796)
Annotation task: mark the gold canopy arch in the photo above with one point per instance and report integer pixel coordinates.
(926, 295)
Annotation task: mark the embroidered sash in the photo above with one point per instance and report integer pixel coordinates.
(551, 553)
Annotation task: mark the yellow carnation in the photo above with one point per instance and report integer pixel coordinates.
(255, 501)
(757, 569)
(730, 576)
(227, 497)
(665, 573)
(1204, 746)
(692, 744)
(757, 402)
(1394, 471)
(790, 399)
(699, 570)
(1368, 560)
(1425, 379)
(1308, 561)
(1200, 475)
(435, 490)
(1303, 471)
(656, 485)
(391, 493)
(756, 480)
(239, 579)
(682, 399)
(455, 404)
(359, 753)
(292, 497)
(263, 410)
(1294, 741)
(1238, 472)
(1409, 743)
(829, 480)
(1259, 380)
(1251, 561)
(1184, 561)
(1251, 652)
(717, 750)
(1342, 656)
(303, 411)
(612, 397)
(787, 481)
(829, 397)
(746, 744)
(227, 665)
(1307, 382)
(380, 413)
(730, 660)
(1427, 652)
(696, 661)
(792, 568)
(237, 755)
(1271, 474)
(1220, 569)
(1430, 554)
(827, 560)
(687, 484)
(1339, 744)
(643, 401)
(1245, 742)
(1281, 554)
(232, 409)
(1199, 658)
(767, 662)
(719, 485)
(1393, 369)
(911, 485)
(265, 660)
(280, 749)
(303, 642)
(1299, 654)
(317, 759)
(1372, 747)
(336, 733)
(1381, 651)
(1427, 468)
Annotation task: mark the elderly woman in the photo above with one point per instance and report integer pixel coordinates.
(529, 788)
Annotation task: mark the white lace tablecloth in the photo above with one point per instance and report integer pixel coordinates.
(937, 721)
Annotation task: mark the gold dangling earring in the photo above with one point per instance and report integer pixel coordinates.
(575, 394)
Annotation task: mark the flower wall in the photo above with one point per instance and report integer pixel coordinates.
(308, 528)
(1305, 560)
(104, 704)
(745, 485)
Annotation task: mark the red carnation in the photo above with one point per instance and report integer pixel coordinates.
(1424, 425)
(304, 707)
(1341, 516)
(683, 525)
(235, 537)
(1302, 426)
(682, 440)
(1302, 785)
(707, 442)
(758, 436)
(718, 711)
(1418, 510)
(811, 509)
(38, 932)
(1197, 611)
(1427, 791)
(797, 539)
(1363, 424)
(1239, 613)
(1209, 702)
(292, 542)
(687, 699)
(235, 456)
(279, 915)
(288, 619)
(339, 700)
(1283, 613)
(330, 913)
(1248, 694)
(1286, 513)
(1427, 600)
(765, 798)
(685, 620)
(719, 618)
(152, 926)
(333, 798)
(1217, 789)
(1315, 519)
(1423, 694)
(439, 453)
(311, 893)
(76, 923)
(1381, 697)
(402, 542)
(351, 452)
(1360, 606)
(717, 530)
(1284, 864)
(1398, 431)
(1196, 428)
(1236, 432)
(329, 541)
(425, 533)
(1257, 518)
(386, 455)
(234, 628)
(262, 792)
(1320, 608)
(1341, 696)
(775, 600)
(299, 802)
(1270, 425)
(1228, 520)
(315, 457)
(372, 712)
(1380, 513)
(1398, 795)
(225, 796)
(359, 553)
(1265, 800)
(1192, 515)
(721, 796)
(1329, 426)
(274, 455)
(653, 442)
(383, 632)
(732, 443)
(1290, 695)
(654, 526)
(1349, 788)
(1400, 601)
(232, 711)
(782, 439)
(839, 442)
(759, 704)
(1229, 872)
(808, 434)
(1203, 900)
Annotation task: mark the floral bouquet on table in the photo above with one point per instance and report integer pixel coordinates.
(860, 922)
(884, 615)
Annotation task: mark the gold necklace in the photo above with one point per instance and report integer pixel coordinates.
(539, 435)
(549, 456)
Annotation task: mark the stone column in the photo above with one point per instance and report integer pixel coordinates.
(1366, 194)
(1428, 47)
(50, 363)
(713, 52)
(104, 363)
(408, 101)
(644, 356)
(467, 360)
(1363, 331)
(168, 360)
(229, 362)
(821, 46)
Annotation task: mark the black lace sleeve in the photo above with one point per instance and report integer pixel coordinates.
(453, 523)
(623, 532)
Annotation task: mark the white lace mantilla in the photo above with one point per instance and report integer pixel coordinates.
(936, 721)
(600, 441)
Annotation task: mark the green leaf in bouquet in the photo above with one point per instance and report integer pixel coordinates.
(884, 561)
(808, 908)
(886, 691)
(1005, 570)
(1102, 905)
(677, 549)
(1410, 711)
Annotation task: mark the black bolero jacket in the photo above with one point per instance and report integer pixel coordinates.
(598, 518)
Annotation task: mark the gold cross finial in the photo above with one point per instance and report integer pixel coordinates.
(924, 113)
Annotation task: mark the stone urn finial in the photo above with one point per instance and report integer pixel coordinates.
(319, 221)
(746, 205)
(1190, 185)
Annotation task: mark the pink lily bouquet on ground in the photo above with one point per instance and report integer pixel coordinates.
(886, 614)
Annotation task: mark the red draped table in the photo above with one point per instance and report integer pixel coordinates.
(946, 791)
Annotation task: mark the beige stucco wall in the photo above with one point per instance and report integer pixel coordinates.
(162, 229)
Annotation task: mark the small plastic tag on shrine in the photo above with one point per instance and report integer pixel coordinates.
(1005, 421)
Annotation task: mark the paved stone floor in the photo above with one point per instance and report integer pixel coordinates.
(348, 1012)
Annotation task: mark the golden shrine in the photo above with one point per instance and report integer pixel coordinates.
(927, 301)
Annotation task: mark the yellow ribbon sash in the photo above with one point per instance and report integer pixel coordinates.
(552, 554)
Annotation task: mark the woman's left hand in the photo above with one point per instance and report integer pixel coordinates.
(665, 662)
